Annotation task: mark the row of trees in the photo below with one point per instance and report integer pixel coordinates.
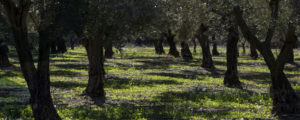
(102, 24)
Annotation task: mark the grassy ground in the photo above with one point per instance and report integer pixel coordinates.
(142, 85)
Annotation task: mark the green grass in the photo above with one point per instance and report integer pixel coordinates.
(142, 85)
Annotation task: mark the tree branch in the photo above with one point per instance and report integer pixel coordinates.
(274, 4)
(245, 29)
(252, 39)
(288, 46)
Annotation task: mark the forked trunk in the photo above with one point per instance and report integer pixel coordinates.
(37, 80)
(95, 86)
(283, 96)
(185, 51)
(231, 78)
(109, 50)
(253, 52)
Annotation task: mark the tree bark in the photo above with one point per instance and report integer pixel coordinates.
(37, 79)
(185, 52)
(283, 96)
(253, 52)
(158, 44)
(173, 49)
(207, 61)
(109, 49)
(231, 78)
(4, 62)
(290, 58)
(41, 95)
(95, 86)
(215, 47)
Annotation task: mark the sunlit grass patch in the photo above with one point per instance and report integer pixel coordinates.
(143, 85)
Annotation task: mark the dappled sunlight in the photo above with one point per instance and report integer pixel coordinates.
(149, 86)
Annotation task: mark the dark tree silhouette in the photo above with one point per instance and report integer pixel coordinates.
(170, 39)
(109, 49)
(215, 46)
(185, 51)
(158, 44)
(283, 96)
(207, 61)
(37, 79)
(231, 78)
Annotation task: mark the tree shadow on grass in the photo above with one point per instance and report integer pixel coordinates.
(260, 77)
(165, 63)
(214, 72)
(14, 99)
(123, 112)
(64, 73)
(67, 84)
(8, 74)
(65, 60)
(199, 96)
(73, 66)
(117, 82)
(175, 75)
(295, 67)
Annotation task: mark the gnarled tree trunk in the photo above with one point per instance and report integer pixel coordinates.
(41, 96)
(207, 61)
(231, 78)
(290, 58)
(215, 46)
(37, 80)
(158, 44)
(283, 96)
(109, 49)
(95, 86)
(173, 49)
(185, 51)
